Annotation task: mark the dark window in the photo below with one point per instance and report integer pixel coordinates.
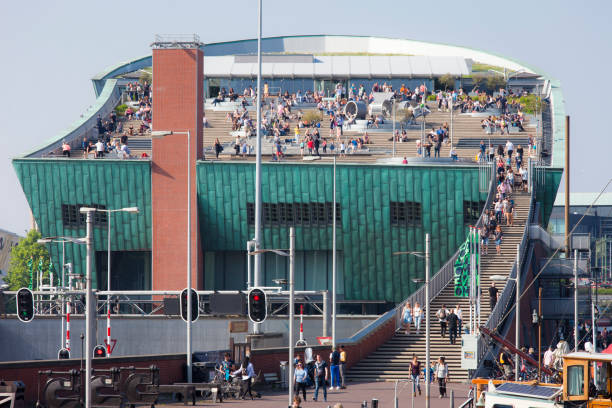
(471, 211)
(251, 213)
(321, 214)
(294, 214)
(266, 213)
(405, 213)
(72, 216)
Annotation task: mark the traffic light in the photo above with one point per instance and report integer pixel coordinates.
(25, 305)
(258, 310)
(63, 354)
(99, 351)
(195, 302)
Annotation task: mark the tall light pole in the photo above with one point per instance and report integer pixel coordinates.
(291, 256)
(291, 307)
(427, 311)
(575, 300)
(427, 348)
(109, 213)
(88, 303)
(334, 311)
(257, 272)
(161, 134)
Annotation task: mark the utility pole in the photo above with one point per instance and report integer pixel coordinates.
(427, 307)
(539, 331)
(517, 320)
(567, 186)
(291, 308)
(89, 308)
(257, 272)
(334, 266)
(575, 300)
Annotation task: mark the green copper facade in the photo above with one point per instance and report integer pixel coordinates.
(366, 236)
(50, 183)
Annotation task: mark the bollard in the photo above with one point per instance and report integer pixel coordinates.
(452, 399)
(364, 404)
(374, 403)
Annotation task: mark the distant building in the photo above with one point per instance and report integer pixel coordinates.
(7, 241)
(595, 221)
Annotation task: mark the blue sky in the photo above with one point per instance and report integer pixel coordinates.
(51, 49)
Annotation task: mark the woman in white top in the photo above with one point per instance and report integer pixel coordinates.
(418, 316)
(441, 374)
(407, 317)
(459, 314)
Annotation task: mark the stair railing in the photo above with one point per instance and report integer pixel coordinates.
(445, 275)
(508, 294)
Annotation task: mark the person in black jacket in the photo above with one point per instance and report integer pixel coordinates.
(452, 321)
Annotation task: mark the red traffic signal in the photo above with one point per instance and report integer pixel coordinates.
(258, 308)
(99, 351)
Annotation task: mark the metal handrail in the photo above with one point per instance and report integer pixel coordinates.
(504, 300)
(468, 403)
(445, 275)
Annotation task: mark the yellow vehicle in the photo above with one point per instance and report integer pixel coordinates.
(587, 382)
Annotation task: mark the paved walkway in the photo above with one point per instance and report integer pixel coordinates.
(351, 397)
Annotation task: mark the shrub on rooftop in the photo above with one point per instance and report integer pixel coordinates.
(312, 116)
(121, 109)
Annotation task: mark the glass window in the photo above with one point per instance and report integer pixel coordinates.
(575, 380)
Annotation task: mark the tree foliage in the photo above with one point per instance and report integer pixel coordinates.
(27, 252)
(447, 82)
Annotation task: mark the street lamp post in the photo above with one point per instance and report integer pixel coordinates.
(427, 311)
(88, 303)
(291, 282)
(334, 266)
(160, 134)
(108, 269)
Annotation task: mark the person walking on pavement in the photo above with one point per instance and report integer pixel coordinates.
(442, 313)
(299, 380)
(441, 375)
(452, 326)
(415, 373)
(492, 295)
(334, 360)
(342, 366)
(321, 376)
(247, 372)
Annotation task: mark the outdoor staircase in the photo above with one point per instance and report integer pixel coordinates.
(392, 360)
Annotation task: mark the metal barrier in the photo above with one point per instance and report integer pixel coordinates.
(507, 295)
(445, 275)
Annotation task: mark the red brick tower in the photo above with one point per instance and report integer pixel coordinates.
(178, 71)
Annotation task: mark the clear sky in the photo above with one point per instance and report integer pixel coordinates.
(51, 49)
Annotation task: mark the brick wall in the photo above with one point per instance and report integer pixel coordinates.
(178, 106)
(171, 369)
